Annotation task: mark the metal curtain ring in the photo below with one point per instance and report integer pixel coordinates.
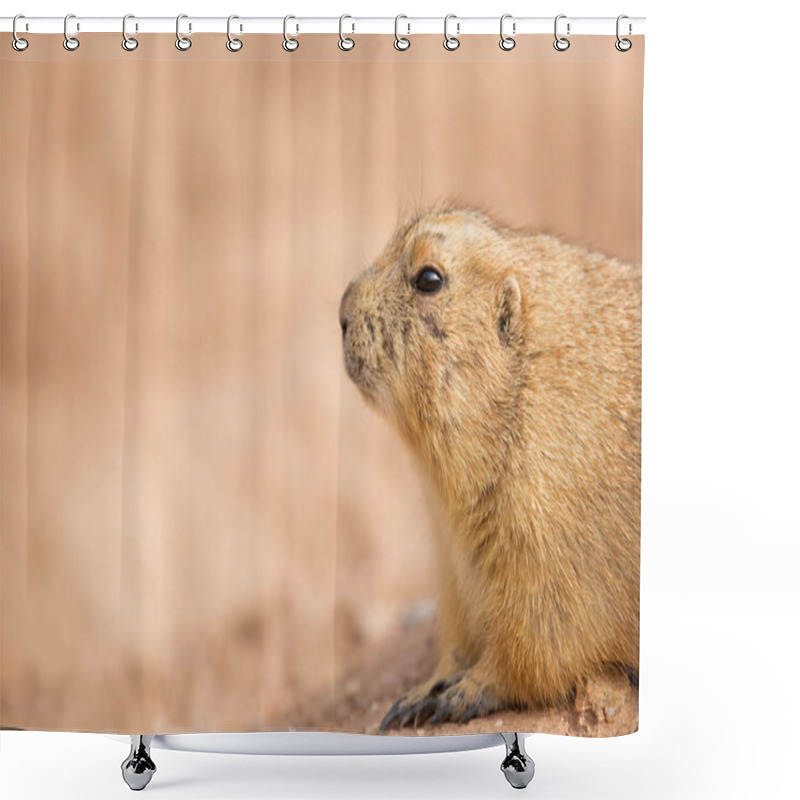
(451, 42)
(182, 42)
(623, 45)
(345, 42)
(400, 42)
(17, 42)
(561, 43)
(129, 43)
(290, 44)
(233, 44)
(70, 42)
(507, 42)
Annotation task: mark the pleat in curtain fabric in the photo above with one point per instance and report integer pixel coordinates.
(205, 527)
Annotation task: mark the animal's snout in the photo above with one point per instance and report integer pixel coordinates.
(346, 308)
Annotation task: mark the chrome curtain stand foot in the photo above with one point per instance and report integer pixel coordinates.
(517, 766)
(138, 768)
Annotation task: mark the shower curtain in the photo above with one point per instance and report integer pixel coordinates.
(277, 327)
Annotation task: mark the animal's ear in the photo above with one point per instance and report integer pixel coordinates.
(509, 315)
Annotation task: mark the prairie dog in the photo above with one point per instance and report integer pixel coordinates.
(511, 366)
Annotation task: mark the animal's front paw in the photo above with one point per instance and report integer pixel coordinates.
(457, 699)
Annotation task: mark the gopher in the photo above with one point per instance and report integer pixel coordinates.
(510, 364)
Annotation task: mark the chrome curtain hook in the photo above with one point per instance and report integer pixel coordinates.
(400, 42)
(17, 42)
(451, 42)
(70, 42)
(507, 42)
(345, 42)
(129, 43)
(182, 42)
(290, 44)
(561, 43)
(623, 45)
(233, 44)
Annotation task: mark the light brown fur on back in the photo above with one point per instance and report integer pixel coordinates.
(517, 384)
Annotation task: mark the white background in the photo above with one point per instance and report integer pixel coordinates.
(720, 699)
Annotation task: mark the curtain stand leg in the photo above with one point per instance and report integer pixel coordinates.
(517, 766)
(138, 768)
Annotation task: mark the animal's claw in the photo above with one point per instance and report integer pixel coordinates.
(457, 699)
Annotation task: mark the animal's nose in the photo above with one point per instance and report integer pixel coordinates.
(344, 308)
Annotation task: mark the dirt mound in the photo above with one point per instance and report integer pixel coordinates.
(374, 679)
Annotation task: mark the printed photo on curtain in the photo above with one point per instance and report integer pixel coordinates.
(321, 384)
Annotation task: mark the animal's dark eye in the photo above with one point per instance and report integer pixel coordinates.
(428, 280)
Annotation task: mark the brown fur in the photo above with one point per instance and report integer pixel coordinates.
(517, 385)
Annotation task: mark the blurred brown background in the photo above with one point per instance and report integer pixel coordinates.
(202, 523)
